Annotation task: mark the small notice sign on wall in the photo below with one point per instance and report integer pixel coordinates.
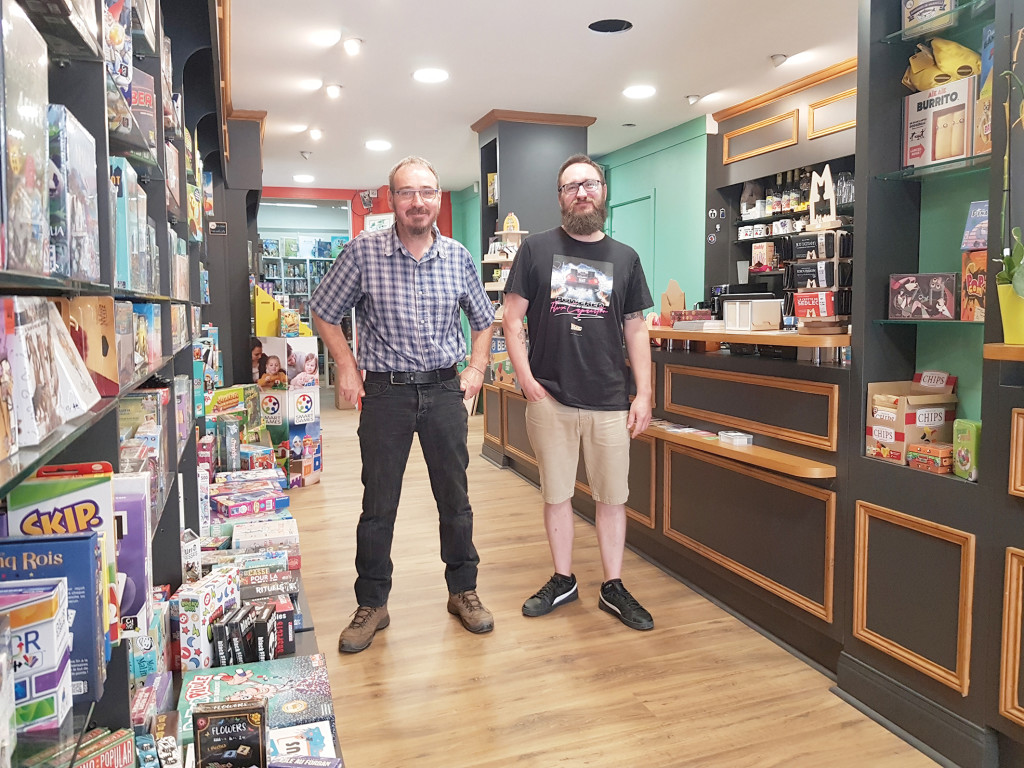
(218, 227)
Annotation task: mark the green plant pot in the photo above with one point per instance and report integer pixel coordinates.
(1011, 308)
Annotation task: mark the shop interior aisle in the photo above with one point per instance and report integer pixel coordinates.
(573, 688)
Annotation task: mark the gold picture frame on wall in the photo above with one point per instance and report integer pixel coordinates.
(793, 117)
(814, 132)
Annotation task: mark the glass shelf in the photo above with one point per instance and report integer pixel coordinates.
(13, 282)
(841, 209)
(948, 168)
(926, 29)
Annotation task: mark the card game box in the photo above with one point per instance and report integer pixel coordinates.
(143, 105)
(296, 688)
(117, 43)
(27, 152)
(76, 392)
(126, 220)
(230, 734)
(77, 558)
(153, 315)
(94, 333)
(310, 740)
(115, 750)
(194, 608)
(74, 215)
(276, 475)
(245, 504)
(983, 106)
(134, 515)
(938, 123)
(124, 333)
(41, 647)
(265, 534)
(966, 446)
(8, 418)
(926, 295)
(973, 282)
(34, 367)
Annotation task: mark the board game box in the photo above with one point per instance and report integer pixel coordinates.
(296, 688)
(74, 216)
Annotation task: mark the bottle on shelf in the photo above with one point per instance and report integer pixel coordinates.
(777, 196)
(805, 189)
(787, 194)
(770, 198)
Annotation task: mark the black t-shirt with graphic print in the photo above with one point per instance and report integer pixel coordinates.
(579, 294)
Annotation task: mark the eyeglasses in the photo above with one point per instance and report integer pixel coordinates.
(590, 185)
(426, 195)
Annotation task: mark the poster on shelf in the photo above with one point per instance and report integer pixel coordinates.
(208, 194)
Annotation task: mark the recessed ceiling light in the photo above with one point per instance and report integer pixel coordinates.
(430, 75)
(325, 38)
(693, 98)
(629, 125)
(378, 145)
(298, 128)
(302, 178)
(639, 92)
(311, 85)
(352, 46)
(333, 90)
(611, 26)
(778, 59)
(316, 134)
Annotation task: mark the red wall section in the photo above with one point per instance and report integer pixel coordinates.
(380, 204)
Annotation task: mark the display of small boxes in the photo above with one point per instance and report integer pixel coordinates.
(26, 93)
(902, 412)
(931, 457)
(925, 295)
(938, 123)
(966, 447)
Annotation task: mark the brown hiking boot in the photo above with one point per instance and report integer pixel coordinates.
(366, 622)
(467, 606)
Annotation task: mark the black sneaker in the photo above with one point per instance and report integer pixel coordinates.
(557, 591)
(616, 600)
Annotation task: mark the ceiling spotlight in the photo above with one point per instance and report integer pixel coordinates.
(639, 92)
(333, 90)
(316, 134)
(352, 46)
(311, 85)
(378, 145)
(430, 75)
(302, 178)
(693, 98)
(610, 26)
(778, 59)
(305, 153)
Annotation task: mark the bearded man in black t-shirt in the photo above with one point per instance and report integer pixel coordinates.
(582, 295)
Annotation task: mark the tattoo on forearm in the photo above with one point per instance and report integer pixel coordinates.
(521, 335)
(634, 315)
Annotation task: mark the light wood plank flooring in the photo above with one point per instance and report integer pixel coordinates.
(575, 688)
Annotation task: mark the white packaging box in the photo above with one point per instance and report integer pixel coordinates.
(753, 315)
(938, 124)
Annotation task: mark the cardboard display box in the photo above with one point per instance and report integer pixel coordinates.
(902, 412)
(938, 124)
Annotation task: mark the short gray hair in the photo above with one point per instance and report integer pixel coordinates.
(579, 158)
(412, 160)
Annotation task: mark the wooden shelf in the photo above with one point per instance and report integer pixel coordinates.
(1012, 352)
(496, 261)
(775, 338)
(758, 456)
(494, 286)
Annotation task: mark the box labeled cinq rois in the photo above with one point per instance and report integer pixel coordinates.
(938, 124)
(903, 412)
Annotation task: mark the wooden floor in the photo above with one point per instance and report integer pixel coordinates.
(575, 688)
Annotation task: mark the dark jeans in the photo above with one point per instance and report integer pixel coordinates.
(391, 414)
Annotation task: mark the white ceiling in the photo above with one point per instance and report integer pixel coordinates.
(530, 55)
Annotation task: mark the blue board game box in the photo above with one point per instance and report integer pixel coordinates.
(78, 558)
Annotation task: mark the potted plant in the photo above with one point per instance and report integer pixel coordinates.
(1010, 286)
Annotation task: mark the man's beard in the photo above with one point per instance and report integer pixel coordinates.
(417, 230)
(584, 222)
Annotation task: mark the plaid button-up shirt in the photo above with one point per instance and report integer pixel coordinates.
(407, 311)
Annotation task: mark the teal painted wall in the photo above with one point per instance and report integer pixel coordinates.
(952, 347)
(672, 167)
(466, 229)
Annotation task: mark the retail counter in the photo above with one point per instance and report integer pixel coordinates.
(761, 528)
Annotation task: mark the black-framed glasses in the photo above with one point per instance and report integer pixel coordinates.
(590, 185)
(426, 195)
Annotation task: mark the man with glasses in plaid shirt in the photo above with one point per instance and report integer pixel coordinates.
(408, 285)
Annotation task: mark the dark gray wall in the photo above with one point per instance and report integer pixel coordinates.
(529, 156)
